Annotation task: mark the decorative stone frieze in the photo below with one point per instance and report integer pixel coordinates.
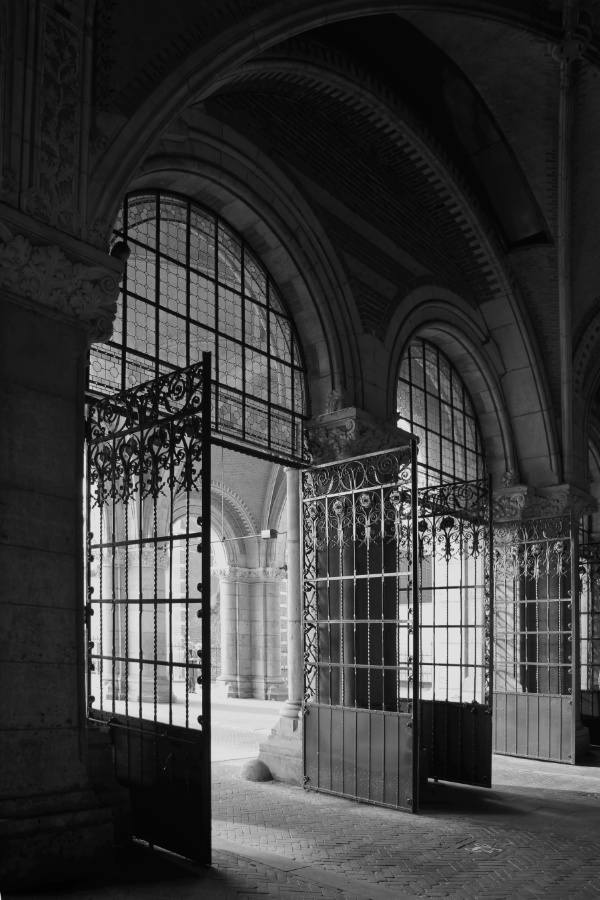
(508, 502)
(53, 197)
(45, 275)
(520, 502)
(240, 573)
(131, 557)
(344, 433)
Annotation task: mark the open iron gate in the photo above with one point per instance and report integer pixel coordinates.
(397, 644)
(148, 612)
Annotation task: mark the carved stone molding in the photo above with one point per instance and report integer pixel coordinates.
(45, 275)
(261, 575)
(131, 557)
(519, 502)
(53, 196)
(9, 189)
(348, 432)
(508, 502)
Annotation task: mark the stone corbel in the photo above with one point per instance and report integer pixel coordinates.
(44, 275)
(344, 433)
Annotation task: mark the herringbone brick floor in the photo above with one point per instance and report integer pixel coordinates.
(535, 836)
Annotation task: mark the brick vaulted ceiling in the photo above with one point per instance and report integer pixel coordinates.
(377, 135)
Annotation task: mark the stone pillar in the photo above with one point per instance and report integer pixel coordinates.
(55, 295)
(336, 435)
(293, 704)
(250, 633)
(141, 583)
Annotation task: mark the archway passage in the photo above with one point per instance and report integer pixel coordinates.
(454, 565)
(203, 354)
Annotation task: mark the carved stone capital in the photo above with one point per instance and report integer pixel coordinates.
(520, 502)
(240, 573)
(562, 500)
(44, 274)
(131, 557)
(349, 432)
(509, 502)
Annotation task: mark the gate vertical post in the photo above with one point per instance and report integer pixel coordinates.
(416, 625)
(206, 813)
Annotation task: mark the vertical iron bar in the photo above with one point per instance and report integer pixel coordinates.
(416, 624)
(206, 660)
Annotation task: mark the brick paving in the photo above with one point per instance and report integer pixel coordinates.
(534, 836)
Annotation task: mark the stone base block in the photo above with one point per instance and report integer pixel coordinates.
(46, 849)
(282, 751)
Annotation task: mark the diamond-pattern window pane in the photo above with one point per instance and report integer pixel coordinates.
(230, 314)
(173, 287)
(229, 258)
(202, 300)
(257, 375)
(255, 279)
(172, 338)
(141, 328)
(256, 326)
(281, 337)
(230, 363)
(141, 274)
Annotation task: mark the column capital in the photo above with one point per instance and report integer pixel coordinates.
(522, 502)
(42, 267)
(263, 574)
(349, 432)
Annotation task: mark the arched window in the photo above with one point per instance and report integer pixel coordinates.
(434, 404)
(192, 285)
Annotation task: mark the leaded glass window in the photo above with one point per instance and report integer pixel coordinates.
(434, 404)
(192, 285)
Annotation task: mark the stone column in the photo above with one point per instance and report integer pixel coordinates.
(250, 633)
(336, 435)
(56, 295)
(293, 704)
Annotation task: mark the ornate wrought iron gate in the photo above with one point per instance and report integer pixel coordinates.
(397, 643)
(536, 638)
(456, 576)
(589, 576)
(148, 617)
(361, 628)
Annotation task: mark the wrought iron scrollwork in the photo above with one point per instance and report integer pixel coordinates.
(147, 439)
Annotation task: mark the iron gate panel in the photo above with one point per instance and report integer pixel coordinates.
(535, 673)
(589, 580)
(361, 628)
(455, 579)
(148, 515)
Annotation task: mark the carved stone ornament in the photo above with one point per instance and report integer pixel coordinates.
(344, 433)
(53, 195)
(131, 557)
(239, 573)
(509, 502)
(519, 502)
(44, 275)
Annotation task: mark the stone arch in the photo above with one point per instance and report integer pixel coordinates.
(224, 173)
(206, 71)
(460, 330)
(199, 72)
